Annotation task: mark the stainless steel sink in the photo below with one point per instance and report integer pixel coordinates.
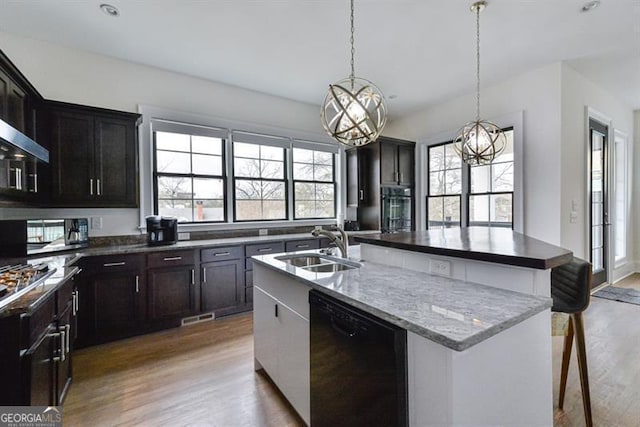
(319, 263)
(329, 267)
(303, 260)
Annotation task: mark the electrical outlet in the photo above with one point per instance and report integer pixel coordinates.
(96, 223)
(440, 268)
(263, 232)
(184, 236)
(573, 217)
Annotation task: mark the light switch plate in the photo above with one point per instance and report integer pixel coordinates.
(263, 232)
(573, 217)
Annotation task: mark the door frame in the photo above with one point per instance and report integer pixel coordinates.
(595, 115)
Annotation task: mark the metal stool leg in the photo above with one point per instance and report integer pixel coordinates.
(566, 357)
(576, 319)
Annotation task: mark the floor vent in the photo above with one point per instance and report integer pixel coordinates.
(198, 319)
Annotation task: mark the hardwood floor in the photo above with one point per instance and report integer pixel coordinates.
(203, 375)
(632, 281)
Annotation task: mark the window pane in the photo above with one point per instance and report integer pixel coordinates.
(453, 181)
(209, 210)
(322, 158)
(325, 209)
(451, 207)
(247, 210)
(304, 191)
(249, 168)
(302, 156)
(452, 159)
(207, 165)
(507, 153)
(436, 158)
(207, 188)
(436, 183)
(480, 176)
(501, 208)
(502, 174)
(271, 153)
(174, 188)
(206, 145)
(269, 169)
(181, 209)
(303, 171)
(273, 190)
(323, 173)
(478, 209)
(248, 189)
(274, 209)
(325, 191)
(173, 141)
(171, 162)
(240, 149)
(435, 212)
(257, 200)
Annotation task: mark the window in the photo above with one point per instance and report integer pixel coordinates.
(491, 190)
(260, 182)
(445, 187)
(313, 184)
(620, 191)
(189, 176)
(486, 200)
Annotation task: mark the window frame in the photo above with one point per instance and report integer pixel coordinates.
(333, 182)
(620, 140)
(192, 176)
(284, 180)
(444, 195)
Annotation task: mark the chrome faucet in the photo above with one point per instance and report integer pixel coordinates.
(341, 242)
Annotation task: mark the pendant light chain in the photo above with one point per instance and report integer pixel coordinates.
(353, 49)
(477, 63)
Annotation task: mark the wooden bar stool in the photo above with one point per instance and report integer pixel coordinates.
(570, 291)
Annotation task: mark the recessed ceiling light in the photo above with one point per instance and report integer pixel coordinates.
(590, 5)
(393, 96)
(110, 10)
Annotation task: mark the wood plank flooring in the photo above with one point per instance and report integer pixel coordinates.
(203, 375)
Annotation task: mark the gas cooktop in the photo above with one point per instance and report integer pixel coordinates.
(17, 280)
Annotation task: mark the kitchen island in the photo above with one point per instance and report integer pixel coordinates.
(478, 341)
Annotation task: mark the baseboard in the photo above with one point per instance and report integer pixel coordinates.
(625, 271)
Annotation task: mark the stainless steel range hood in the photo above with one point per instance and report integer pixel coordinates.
(15, 144)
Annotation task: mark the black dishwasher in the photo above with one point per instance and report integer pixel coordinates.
(358, 367)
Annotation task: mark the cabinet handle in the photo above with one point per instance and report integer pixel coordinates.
(60, 347)
(265, 249)
(137, 284)
(302, 246)
(113, 264)
(91, 186)
(35, 182)
(221, 253)
(73, 302)
(98, 187)
(63, 356)
(193, 276)
(401, 179)
(68, 328)
(204, 274)
(276, 309)
(172, 258)
(361, 194)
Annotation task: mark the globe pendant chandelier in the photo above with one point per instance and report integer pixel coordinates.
(480, 141)
(354, 112)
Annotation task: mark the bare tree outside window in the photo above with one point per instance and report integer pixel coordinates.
(314, 184)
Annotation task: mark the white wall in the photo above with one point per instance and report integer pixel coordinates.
(635, 213)
(577, 94)
(537, 94)
(72, 75)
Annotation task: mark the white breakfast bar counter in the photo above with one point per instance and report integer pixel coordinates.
(478, 342)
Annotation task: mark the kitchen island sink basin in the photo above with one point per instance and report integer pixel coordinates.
(319, 263)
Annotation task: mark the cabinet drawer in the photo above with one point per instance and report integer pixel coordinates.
(264, 248)
(114, 263)
(169, 258)
(221, 254)
(302, 245)
(38, 321)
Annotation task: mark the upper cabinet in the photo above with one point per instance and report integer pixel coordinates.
(18, 99)
(93, 156)
(397, 162)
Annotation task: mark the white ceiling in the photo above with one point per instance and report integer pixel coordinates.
(420, 50)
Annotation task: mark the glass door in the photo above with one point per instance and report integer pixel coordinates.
(598, 199)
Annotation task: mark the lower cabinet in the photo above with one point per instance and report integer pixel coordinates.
(40, 379)
(281, 335)
(171, 292)
(222, 287)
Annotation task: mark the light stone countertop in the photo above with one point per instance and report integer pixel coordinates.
(453, 313)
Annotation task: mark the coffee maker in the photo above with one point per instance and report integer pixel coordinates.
(161, 230)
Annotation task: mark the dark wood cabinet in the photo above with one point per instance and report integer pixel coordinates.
(13, 102)
(39, 379)
(94, 156)
(112, 298)
(222, 287)
(63, 367)
(172, 292)
(396, 162)
(361, 163)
